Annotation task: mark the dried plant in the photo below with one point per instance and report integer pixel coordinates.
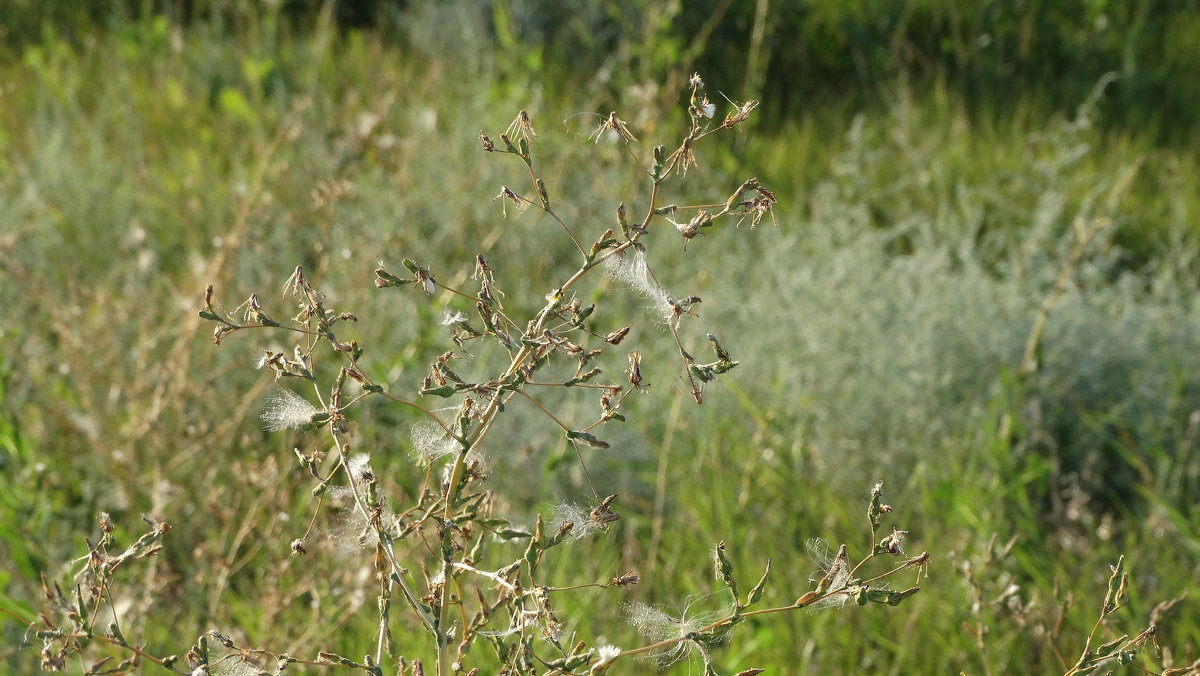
(463, 580)
(997, 596)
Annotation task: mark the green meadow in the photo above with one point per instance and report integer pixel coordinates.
(977, 289)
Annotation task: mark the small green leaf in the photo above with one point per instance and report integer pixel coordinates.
(587, 438)
(233, 102)
(757, 592)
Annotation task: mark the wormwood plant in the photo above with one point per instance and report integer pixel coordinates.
(468, 576)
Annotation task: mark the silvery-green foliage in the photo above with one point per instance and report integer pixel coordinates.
(890, 341)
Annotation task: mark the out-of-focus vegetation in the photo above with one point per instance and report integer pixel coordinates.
(991, 54)
(935, 163)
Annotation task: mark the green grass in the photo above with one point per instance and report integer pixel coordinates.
(878, 327)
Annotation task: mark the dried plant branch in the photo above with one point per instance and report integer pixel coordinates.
(562, 345)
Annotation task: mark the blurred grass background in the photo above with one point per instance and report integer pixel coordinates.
(931, 158)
